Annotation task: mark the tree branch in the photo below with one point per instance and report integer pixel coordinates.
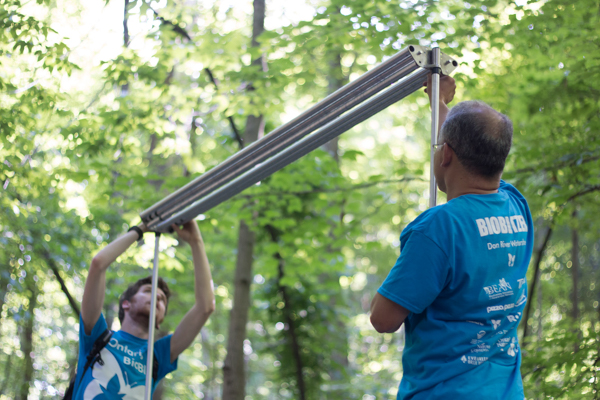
(555, 166)
(174, 26)
(583, 192)
(61, 281)
(234, 128)
(332, 190)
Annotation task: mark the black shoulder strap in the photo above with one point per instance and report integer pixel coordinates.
(154, 367)
(94, 355)
(99, 344)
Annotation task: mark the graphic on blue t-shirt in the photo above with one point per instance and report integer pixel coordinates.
(461, 274)
(122, 374)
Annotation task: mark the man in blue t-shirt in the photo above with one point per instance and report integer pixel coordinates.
(459, 284)
(122, 372)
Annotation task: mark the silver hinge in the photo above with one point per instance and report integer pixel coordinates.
(423, 57)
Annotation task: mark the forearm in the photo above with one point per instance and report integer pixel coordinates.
(95, 284)
(203, 284)
(113, 250)
(444, 110)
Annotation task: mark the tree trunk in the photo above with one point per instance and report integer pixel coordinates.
(7, 371)
(27, 344)
(336, 79)
(536, 278)
(575, 275)
(208, 358)
(291, 327)
(3, 288)
(234, 374)
(125, 87)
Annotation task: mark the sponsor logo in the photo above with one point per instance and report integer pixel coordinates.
(481, 348)
(500, 308)
(480, 334)
(473, 360)
(496, 323)
(513, 349)
(502, 289)
(521, 281)
(497, 225)
(503, 342)
(511, 260)
(513, 317)
(522, 300)
(475, 322)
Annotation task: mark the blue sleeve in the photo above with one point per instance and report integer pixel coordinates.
(162, 349)
(419, 275)
(86, 342)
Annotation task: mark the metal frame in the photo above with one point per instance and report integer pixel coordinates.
(402, 75)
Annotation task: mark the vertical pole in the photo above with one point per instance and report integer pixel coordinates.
(152, 322)
(435, 119)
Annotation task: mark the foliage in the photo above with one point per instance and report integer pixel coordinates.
(88, 139)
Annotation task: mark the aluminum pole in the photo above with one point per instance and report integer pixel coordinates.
(435, 119)
(334, 128)
(334, 105)
(152, 322)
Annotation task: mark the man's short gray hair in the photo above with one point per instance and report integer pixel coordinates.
(480, 136)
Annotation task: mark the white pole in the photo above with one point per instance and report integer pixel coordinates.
(152, 322)
(435, 119)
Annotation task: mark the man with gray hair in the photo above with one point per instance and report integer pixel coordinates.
(459, 284)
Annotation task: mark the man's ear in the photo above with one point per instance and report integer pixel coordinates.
(447, 155)
(126, 305)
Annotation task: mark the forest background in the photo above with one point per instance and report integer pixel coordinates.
(106, 107)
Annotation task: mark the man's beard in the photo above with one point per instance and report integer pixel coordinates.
(142, 315)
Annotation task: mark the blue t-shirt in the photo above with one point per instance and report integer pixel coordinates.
(461, 274)
(123, 375)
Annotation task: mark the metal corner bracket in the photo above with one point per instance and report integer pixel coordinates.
(423, 57)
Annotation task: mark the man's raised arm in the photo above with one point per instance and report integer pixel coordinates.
(194, 320)
(447, 90)
(95, 284)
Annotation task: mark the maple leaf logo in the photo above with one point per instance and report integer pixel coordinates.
(111, 391)
(109, 382)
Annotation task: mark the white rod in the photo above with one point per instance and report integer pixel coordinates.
(152, 322)
(435, 120)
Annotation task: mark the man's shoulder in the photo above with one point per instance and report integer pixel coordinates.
(430, 223)
(507, 187)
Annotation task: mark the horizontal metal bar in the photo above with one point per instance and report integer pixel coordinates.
(334, 128)
(330, 108)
